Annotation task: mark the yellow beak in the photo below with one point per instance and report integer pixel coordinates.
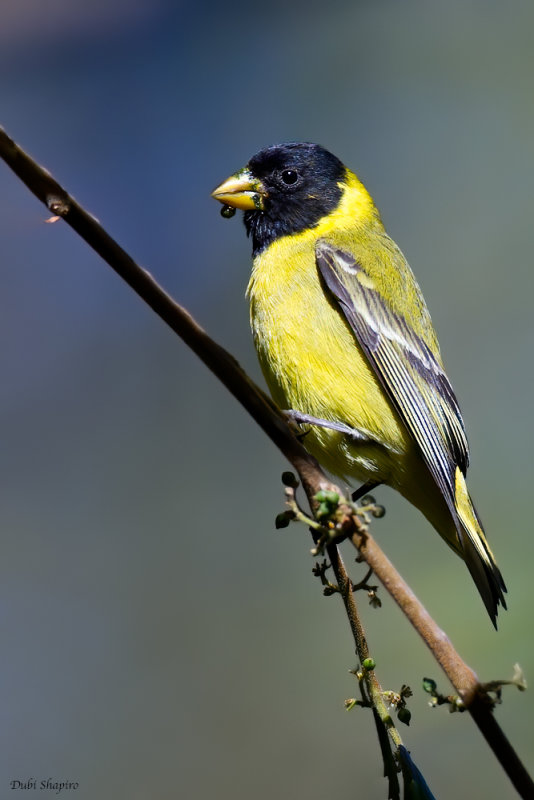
(241, 190)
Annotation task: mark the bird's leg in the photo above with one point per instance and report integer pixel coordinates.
(364, 489)
(306, 419)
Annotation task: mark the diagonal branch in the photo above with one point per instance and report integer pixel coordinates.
(272, 421)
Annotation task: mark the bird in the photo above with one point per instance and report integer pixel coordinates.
(347, 346)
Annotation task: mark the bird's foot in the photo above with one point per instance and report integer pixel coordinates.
(341, 427)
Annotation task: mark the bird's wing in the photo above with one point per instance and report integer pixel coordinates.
(410, 373)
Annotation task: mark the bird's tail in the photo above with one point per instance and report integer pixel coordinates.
(476, 551)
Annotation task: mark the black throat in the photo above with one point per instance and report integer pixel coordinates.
(264, 227)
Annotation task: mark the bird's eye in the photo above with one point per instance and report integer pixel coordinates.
(290, 176)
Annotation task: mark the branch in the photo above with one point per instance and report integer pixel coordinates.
(273, 422)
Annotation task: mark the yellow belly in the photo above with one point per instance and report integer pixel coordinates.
(313, 364)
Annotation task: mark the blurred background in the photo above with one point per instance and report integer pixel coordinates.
(159, 638)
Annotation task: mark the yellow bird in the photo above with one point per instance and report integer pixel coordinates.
(347, 346)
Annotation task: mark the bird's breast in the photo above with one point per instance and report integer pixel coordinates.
(313, 364)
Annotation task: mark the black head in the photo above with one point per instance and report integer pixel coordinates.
(301, 185)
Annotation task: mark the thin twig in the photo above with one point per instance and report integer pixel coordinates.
(226, 368)
(373, 686)
(383, 721)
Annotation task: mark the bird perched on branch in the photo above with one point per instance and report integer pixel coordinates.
(347, 346)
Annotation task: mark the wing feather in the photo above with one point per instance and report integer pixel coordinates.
(404, 363)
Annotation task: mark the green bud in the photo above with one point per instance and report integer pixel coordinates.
(323, 510)
(320, 496)
(429, 686)
(331, 497)
(369, 663)
(404, 715)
